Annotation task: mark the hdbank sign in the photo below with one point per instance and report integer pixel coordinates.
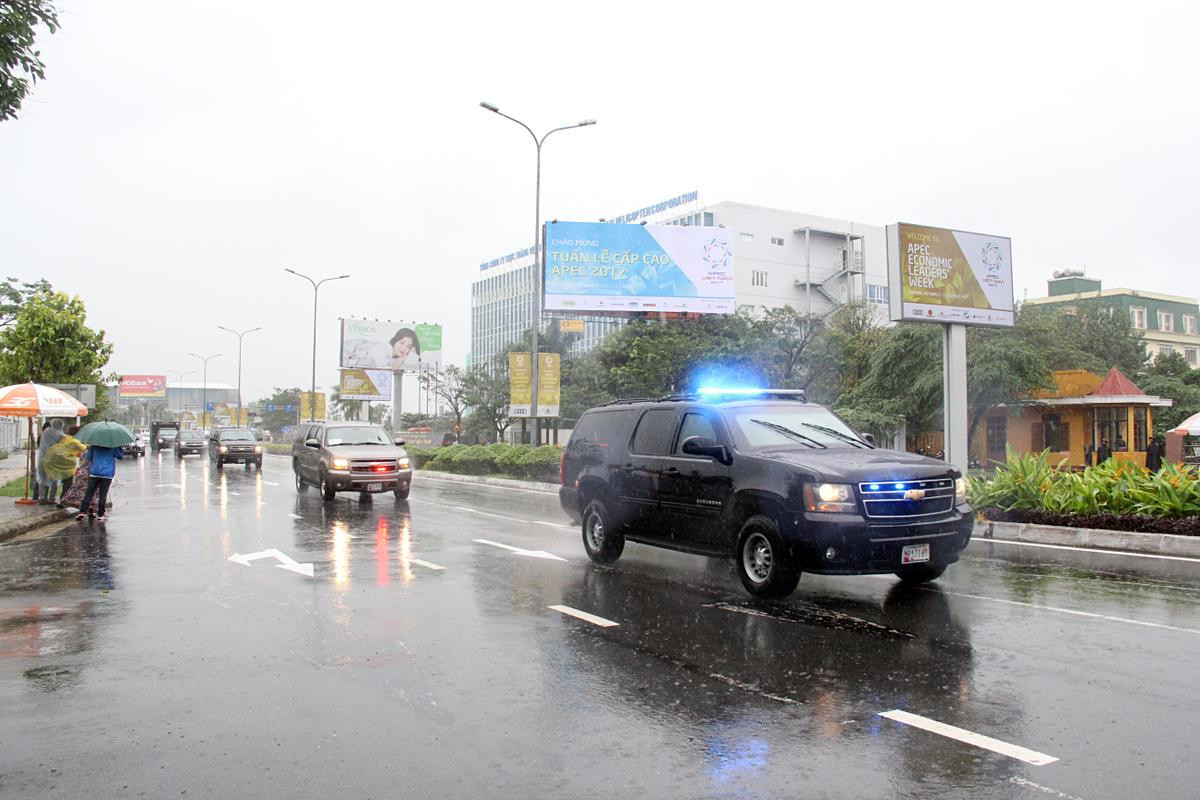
(605, 267)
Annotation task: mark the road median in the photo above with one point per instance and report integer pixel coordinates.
(487, 480)
(13, 526)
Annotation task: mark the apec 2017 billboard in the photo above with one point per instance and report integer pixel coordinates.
(941, 275)
(394, 346)
(605, 267)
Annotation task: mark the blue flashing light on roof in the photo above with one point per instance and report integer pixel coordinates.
(740, 391)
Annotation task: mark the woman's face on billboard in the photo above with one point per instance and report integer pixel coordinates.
(402, 348)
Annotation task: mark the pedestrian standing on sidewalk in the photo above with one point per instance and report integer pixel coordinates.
(47, 486)
(62, 460)
(103, 468)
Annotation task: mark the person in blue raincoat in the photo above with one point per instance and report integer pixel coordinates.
(103, 468)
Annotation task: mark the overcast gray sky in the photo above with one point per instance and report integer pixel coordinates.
(180, 154)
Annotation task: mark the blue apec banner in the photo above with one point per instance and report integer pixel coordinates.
(606, 267)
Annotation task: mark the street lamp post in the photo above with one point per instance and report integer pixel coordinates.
(312, 404)
(204, 391)
(538, 256)
(180, 376)
(239, 386)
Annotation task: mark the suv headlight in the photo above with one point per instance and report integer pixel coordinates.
(223, 449)
(258, 448)
(829, 498)
(405, 463)
(960, 491)
(340, 463)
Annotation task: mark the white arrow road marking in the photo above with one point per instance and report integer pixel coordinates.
(522, 552)
(426, 564)
(586, 617)
(286, 561)
(979, 740)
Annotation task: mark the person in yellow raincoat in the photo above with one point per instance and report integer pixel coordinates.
(62, 459)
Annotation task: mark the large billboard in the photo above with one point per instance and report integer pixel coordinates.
(142, 386)
(610, 268)
(395, 346)
(941, 275)
(366, 384)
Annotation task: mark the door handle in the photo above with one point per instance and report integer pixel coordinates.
(672, 471)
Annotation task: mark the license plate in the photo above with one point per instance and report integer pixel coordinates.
(378, 487)
(914, 553)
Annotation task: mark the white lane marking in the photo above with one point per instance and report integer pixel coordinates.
(521, 551)
(1043, 789)
(976, 739)
(269, 483)
(285, 561)
(424, 478)
(554, 525)
(1073, 612)
(1085, 549)
(295, 516)
(425, 564)
(586, 617)
(167, 486)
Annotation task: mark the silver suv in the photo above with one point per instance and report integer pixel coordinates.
(350, 457)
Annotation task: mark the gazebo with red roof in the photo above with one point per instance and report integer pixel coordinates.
(1073, 421)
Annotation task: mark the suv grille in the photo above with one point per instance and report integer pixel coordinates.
(367, 467)
(885, 498)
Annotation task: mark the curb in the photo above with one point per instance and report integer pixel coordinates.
(1158, 543)
(508, 483)
(16, 527)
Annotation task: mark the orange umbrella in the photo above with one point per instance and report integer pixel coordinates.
(34, 400)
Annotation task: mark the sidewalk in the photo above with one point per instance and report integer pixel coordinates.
(14, 519)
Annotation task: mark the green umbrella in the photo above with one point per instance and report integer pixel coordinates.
(105, 434)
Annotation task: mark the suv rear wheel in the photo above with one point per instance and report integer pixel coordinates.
(301, 486)
(763, 562)
(601, 540)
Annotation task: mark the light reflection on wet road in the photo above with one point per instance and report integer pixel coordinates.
(419, 662)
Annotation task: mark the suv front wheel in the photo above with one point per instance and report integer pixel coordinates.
(763, 562)
(327, 490)
(601, 540)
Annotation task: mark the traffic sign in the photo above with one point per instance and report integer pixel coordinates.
(270, 408)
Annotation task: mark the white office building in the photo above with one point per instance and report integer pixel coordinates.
(814, 264)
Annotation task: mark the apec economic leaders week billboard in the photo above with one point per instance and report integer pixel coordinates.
(605, 267)
(940, 275)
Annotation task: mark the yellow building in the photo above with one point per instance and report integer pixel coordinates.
(1083, 414)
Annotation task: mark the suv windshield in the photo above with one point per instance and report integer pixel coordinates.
(167, 433)
(190, 436)
(235, 435)
(780, 425)
(359, 434)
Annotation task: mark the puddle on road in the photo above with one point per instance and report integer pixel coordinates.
(806, 614)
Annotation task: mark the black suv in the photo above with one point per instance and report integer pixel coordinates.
(189, 441)
(781, 485)
(231, 445)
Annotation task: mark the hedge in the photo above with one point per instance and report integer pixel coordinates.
(1116, 495)
(520, 461)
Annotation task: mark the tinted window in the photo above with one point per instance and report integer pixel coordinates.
(190, 436)
(236, 435)
(356, 435)
(653, 437)
(694, 425)
(600, 430)
(314, 433)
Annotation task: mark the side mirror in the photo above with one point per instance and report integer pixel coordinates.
(868, 438)
(398, 442)
(699, 446)
(312, 443)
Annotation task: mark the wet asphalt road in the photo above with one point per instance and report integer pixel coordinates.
(139, 661)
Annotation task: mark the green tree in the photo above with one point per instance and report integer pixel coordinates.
(487, 395)
(50, 342)
(20, 64)
(449, 385)
(280, 398)
(13, 295)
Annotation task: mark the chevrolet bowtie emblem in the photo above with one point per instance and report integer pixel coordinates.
(914, 494)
